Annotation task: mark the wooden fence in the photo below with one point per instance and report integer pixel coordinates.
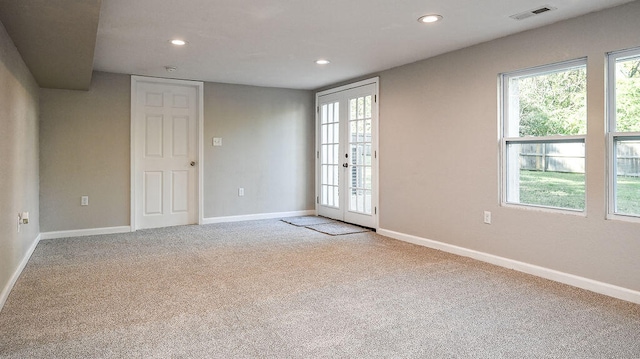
(551, 157)
(628, 154)
(570, 158)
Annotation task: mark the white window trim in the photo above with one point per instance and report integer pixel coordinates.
(612, 58)
(504, 140)
(546, 139)
(550, 68)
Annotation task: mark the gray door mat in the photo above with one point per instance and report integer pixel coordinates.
(304, 221)
(337, 228)
(325, 225)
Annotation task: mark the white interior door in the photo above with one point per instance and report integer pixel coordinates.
(347, 163)
(165, 153)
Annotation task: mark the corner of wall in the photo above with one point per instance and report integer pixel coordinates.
(8, 286)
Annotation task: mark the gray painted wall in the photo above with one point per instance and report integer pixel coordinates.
(268, 142)
(84, 150)
(439, 152)
(268, 145)
(18, 158)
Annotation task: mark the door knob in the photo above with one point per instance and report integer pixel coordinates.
(193, 163)
(345, 165)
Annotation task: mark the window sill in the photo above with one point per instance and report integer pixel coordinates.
(530, 207)
(623, 218)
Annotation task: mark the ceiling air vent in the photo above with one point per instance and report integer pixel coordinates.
(533, 12)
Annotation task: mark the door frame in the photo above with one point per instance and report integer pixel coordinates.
(375, 143)
(199, 87)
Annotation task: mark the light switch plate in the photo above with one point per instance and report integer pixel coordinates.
(217, 141)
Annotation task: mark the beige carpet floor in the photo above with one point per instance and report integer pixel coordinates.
(267, 289)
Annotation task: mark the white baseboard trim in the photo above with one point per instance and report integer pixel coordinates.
(4, 295)
(554, 275)
(84, 232)
(253, 217)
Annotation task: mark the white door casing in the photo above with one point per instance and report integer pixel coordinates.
(347, 153)
(166, 148)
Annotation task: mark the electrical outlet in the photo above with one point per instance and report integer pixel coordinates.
(487, 217)
(84, 200)
(240, 192)
(217, 141)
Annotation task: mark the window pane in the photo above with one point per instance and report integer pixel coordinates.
(325, 156)
(367, 154)
(352, 110)
(548, 103)
(546, 174)
(367, 177)
(627, 194)
(628, 94)
(367, 202)
(360, 107)
(354, 155)
(367, 107)
(324, 113)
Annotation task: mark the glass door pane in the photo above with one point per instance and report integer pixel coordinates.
(360, 140)
(329, 154)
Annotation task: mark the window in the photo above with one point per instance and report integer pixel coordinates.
(544, 125)
(624, 133)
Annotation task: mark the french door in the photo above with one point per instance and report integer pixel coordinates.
(347, 154)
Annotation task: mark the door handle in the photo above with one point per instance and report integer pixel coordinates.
(193, 163)
(345, 165)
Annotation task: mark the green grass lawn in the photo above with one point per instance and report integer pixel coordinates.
(552, 189)
(628, 199)
(566, 190)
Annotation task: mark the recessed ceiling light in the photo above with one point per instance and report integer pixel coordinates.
(430, 18)
(170, 68)
(178, 42)
(323, 62)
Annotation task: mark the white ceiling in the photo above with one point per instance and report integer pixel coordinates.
(275, 43)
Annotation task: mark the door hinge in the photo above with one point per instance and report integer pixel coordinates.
(375, 98)
(375, 210)
(375, 154)
(318, 109)
(318, 154)
(317, 199)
